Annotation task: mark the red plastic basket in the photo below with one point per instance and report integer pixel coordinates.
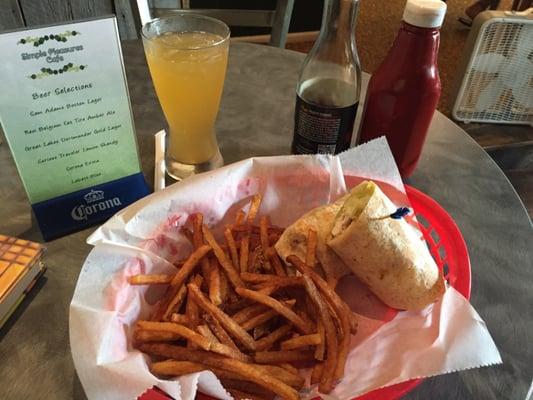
(448, 248)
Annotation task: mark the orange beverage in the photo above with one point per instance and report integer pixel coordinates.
(188, 69)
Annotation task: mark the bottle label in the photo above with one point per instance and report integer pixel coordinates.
(322, 129)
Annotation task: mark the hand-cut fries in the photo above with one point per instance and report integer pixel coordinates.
(164, 309)
(265, 316)
(173, 297)
(219, 331)
(290, 368)
(206, 343)
(341, 309)
(247, 371)
(280, 357)
(176, 368)
(230, 242)
(318, 369)
(293, 379)
(297, 342)
(150, 279)
(230, 270)
(320, 348)
(198, 240)
(275, 261)
(262, 298)
(244, 315)
(244, 252)
(268, 341)
(215, 284)
(206, 332)
(233, 328)
(248, 312)
(326, 381)
(181, 319)
(191, 308)
(259, 319)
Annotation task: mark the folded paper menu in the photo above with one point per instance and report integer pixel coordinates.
(144, 238)
(20, 266)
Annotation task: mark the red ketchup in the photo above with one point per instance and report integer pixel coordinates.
(404, 90)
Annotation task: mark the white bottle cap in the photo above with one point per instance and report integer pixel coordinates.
(424, 13)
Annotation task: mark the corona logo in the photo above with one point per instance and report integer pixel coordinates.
(93, 196)
(96, 203)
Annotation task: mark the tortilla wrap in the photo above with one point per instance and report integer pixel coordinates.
(386, 254)
(294, 240)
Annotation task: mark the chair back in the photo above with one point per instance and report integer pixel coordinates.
(277, 19)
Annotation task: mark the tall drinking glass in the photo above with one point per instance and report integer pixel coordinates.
(187, 55)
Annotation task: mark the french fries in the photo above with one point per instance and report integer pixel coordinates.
(191, 309)
(247, 371)
(281, 357)
(248, 312)
(258, 320)
(268, 288)
(317, 373)
(289, 368)
(173, 296)
(244, 252)
(206, 332)
(233, 328)
(326, 380)
(341, 309)
(176, 368)
(198, 240)
(174, 304)
(237, 310)
(215, 285)
(181, 319)
(268, 341)
(320, 348)
(180, 331)
(268, 301)
(150, 279)
(290, 378)
(275, 261)
(230, 242)
(219, 331)
(229, 269)
(302, 341)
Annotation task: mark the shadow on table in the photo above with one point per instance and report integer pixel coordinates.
(12, 320)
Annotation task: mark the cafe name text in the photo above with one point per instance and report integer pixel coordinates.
(53, 55)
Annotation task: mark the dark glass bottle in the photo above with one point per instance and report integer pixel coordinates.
(327, 94)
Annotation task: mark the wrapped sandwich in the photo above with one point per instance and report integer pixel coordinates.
(294, 240)
(385, 253)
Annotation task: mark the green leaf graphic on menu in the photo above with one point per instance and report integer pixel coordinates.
(65, 68)
(40, 40)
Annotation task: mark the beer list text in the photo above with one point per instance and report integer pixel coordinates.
(85, 122)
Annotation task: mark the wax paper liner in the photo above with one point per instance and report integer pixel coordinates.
(390, 347)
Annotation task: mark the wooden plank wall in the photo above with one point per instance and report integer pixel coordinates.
(10, 15)
(29, 13)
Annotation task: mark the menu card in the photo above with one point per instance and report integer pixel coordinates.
(65, 111)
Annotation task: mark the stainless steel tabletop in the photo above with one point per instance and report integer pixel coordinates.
(256, 119)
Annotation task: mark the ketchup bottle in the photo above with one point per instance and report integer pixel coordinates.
(404, 90)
